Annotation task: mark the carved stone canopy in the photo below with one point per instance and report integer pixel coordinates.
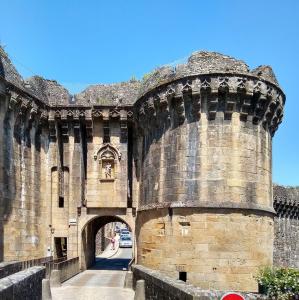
(107, 152)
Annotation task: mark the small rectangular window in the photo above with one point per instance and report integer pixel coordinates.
(61, 202)
(183, 276)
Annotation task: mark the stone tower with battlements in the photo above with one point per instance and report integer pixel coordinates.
(204, 152)
(183, 157)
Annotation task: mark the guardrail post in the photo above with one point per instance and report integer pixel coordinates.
(55, 278)
(46, 291)
(129, 280)
(140, 290)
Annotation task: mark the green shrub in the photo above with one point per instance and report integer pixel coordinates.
(279, 283)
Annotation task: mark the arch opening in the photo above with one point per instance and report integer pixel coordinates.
(97, 237)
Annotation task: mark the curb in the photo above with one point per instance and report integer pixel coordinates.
(115, 251)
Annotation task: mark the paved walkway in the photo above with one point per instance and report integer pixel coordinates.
(104, 281)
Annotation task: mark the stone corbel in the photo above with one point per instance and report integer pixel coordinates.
(14, 100)
(52, 129)
(34, 110)
(187, 91)
(65, 130)
(64, 114)
(69, 114)
(196, 102)
(51, 116)
(76, 128)
(169, 96)
(130, 115)
(88, 116)
(206, 86)
(43, 115)
(245, 107)
(57, 114)
(241, 85)
(106, 114)
(114, 114)
(151, 107)
(123, 130)
(214, 86)
(81, 114)
(89, 128)
(212, 106)
(223, 84)
(24, 106)
(229, 106)
(76, 114)
(97, 113)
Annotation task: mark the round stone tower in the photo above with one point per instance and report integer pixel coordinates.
(204, 168)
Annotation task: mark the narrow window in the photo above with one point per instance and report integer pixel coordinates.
(183, 276)
(61, 202)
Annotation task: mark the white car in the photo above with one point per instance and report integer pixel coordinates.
(125, 233)
(125, 241)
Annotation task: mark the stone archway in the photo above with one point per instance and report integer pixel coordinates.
(88, 234)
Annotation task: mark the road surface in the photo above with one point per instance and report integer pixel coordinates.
(103, 281)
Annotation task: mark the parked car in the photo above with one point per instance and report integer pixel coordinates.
(125, 232)
(125, 242)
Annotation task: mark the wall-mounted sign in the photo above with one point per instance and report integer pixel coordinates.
(72, 221)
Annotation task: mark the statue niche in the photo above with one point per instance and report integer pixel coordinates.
(108, 157)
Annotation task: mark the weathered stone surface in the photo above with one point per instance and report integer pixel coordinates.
(159, 286)
(8, 71)
(286, 224)
(219, 249)
(188, 148)
(25, 285)
(50, 91)
(118, 94)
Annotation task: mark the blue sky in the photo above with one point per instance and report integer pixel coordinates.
(92, 41)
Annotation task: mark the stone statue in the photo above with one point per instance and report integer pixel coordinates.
(108, 168)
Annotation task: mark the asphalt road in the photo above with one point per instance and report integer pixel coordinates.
(119, 261)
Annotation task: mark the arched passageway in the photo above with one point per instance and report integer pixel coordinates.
(89, 232)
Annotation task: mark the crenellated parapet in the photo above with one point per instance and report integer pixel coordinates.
(83, 117)
(286, 202)
(254, 99)
(26, 108)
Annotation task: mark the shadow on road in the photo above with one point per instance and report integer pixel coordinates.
(111, 264)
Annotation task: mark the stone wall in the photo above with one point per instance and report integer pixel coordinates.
(68, 268)
(107, 190)
(159, 286)
(9, 268)
(286, 226)
(205, 152)
(190, 144)
(226, 162)
(23, 186)
(218, 249)
(25, 285)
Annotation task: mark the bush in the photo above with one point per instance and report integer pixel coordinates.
(279, 283)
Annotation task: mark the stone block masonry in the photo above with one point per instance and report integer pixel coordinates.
(25, 285)
(159, 286)
(286, 226)
(183, 157)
